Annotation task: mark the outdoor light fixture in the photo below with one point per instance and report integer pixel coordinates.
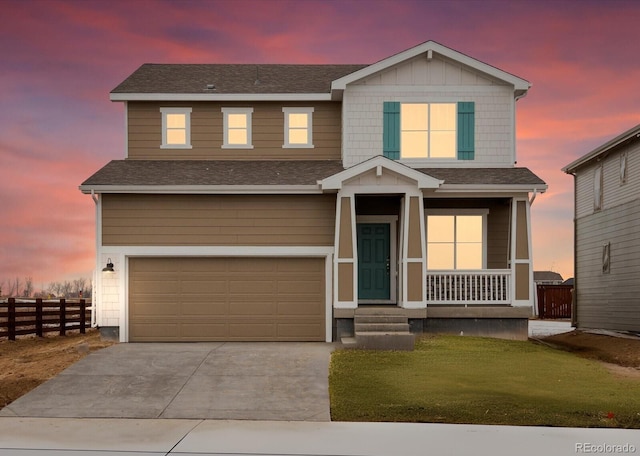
(109, 267)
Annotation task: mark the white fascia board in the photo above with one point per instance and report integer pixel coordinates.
(422, 180)
(495, 188)
(220, 97)
(204, 189)
(519, 84)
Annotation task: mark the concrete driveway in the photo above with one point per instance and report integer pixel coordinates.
(239, 380)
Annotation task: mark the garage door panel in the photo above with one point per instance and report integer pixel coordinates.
(216, 299)
(248, 308)
(204, 308)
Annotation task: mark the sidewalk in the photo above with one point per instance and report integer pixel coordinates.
(100, 437)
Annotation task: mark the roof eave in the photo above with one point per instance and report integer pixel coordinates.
(492, 188)
(202, 189)
(114, 96)
(632, 133)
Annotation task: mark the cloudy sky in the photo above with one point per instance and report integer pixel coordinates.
(60, 60)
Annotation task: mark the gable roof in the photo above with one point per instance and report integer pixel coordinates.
(628, 137)
(429, 47)
(546, 275)
(288, 176)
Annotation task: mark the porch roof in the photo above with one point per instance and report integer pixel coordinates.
(193, 176)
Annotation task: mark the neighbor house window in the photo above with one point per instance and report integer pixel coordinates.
(597, 189)
(298, 127)
(237, 128)
(176, 128)
(623, 168)
(427, 130)
(456, 240)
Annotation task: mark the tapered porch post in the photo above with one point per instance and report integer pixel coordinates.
(345, 257)
(521, 258)
(413, 253)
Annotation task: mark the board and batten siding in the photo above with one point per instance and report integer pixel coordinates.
(144, 129)
(438, 80)
(160, 220)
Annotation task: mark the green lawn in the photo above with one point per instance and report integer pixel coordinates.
(449, 379)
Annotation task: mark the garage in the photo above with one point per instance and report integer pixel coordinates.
(226, 299)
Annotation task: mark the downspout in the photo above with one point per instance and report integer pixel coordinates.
(574, 297)
(533, 197)
(94, 292)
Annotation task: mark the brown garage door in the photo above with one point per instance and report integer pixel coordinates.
(218, 299)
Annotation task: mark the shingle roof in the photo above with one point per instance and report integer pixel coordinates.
(233, 78)
(484, 176)
(213, 172)
(274, 172)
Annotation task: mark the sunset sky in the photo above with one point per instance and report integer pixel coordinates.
(60, 60)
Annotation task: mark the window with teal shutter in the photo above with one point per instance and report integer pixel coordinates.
(391, 130)
(466, 130)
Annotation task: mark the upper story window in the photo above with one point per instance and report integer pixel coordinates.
(298, 127)
(237, 128)
(597, 188)
(176, 128)
(456, 240)
(427, 130)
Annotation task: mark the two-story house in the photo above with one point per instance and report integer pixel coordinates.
(607, 235)
(276, 202)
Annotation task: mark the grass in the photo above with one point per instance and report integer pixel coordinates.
(449, 379)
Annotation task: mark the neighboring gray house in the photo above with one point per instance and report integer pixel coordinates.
(607, 234)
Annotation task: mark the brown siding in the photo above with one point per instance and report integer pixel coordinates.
(144, 126)
(415, 279)
(522, 231)
(218, 219)
(346, 227)
(414, 241)
(345, 281)
(212, 299)
(522, 281)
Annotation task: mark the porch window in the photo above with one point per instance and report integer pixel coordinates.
(456, 241)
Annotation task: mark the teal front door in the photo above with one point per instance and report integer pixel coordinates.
(373, 261)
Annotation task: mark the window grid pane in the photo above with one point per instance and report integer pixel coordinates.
(455, 242)
(428, 130)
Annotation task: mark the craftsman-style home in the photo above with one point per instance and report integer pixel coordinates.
(283, 202)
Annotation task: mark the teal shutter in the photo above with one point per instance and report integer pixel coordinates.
(391, 130)
(466, 130)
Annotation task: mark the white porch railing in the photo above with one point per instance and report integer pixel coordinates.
(485, 286)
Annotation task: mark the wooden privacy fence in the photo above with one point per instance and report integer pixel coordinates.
(554, 301)
(39, 317)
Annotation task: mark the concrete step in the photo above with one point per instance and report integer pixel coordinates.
(379, 311)
(381, 327)
(349, 342)
(385, 341)
(379, 319)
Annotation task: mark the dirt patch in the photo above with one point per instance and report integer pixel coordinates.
(618, 351)
(30, 361)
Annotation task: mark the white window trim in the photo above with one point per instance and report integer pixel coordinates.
(483, 212)
(429, 159)
(187, 113)
(288, 111)
(225, 125)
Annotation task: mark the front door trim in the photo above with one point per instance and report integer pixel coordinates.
(392, 221)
